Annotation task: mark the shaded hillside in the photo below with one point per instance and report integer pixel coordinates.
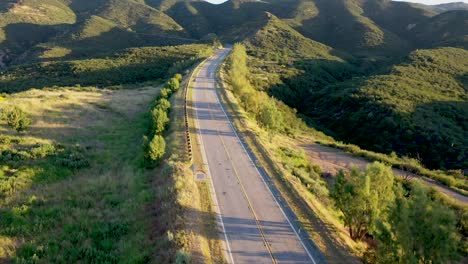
(233, 20)
(84, 28)
(446, 29)
(418, 109)
(67, 29)
(398, 17)
(277, 40)
(343, 24)
(448, 7)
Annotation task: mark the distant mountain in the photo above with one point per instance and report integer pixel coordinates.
(277, 37)
(339, 62)
(446, 29)
(32, 30)
(448, 7)
(28, 27)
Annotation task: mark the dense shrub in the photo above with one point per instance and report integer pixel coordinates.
(72, 158)
(129, 66)
(18, 119)
(267, 111)
(156, 148)
(160, 120)
(155, 145)
(173, 84)
(163, 104)
(165, 93)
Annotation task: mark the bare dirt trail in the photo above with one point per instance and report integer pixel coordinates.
(331, 160)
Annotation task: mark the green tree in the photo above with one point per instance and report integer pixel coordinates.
(178, 76)
(160, 120)
(269, 117)
(165, 93)
(173, 84)
(18, 119)
(364, 197)
(156, 148)
(250, 102)
(419, 230)
(238, 71)
(164, 104)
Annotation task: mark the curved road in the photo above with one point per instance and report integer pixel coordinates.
(256, 225)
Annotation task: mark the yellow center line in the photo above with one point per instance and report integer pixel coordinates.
(259, 226)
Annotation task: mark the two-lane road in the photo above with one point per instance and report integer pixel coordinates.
(256, 228)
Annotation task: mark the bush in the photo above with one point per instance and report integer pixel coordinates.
(17, 119)
(270, 117)
(163, 104)
(72, 158)
(42, 151)
(183, 257)
(156, 148)
(178, 76)
(160, 120)
(173, 84)
(165, 93)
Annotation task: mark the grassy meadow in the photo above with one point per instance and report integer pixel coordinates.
(53, 212)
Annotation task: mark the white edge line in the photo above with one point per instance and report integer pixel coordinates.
(212, 190)
(263, 180)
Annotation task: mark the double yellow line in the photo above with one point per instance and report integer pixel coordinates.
(259, 226)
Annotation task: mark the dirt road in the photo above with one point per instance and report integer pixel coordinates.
(331, 160)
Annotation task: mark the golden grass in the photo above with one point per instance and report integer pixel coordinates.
(110, 124)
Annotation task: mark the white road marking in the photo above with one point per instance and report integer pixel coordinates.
(213, 192)
(245, 150)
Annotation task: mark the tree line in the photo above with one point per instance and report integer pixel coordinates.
(154, 143)
(270, 113)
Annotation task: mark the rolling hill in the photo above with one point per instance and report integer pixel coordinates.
(85, 28)
(91, 82)
(440, 8)
(336, 39)
(66, 29)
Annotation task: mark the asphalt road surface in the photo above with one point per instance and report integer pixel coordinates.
(257, 229)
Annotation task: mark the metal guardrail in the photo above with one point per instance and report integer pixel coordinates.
(187, 125)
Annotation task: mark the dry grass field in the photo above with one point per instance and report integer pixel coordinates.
(62, 214)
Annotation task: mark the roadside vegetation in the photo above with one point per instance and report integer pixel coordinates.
(134, 65)
(393, 112)
(154, 143)
(377, 210)
(71, 184)
(74, 186)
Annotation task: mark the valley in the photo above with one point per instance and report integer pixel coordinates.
(302, 113)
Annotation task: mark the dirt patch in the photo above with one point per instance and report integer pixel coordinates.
(332, 160)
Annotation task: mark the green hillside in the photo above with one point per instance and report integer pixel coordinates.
(379, 28)
(276, 40)
(85, 28)
(446, 29)
(417, 109)
(129, 66)
(93, 111)
(440, 8)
